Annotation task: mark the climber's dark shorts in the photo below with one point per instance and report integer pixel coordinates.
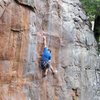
(44, 65)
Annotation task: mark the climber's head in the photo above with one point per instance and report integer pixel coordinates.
(49, 50)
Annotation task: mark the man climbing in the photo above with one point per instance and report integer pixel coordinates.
(45, 62)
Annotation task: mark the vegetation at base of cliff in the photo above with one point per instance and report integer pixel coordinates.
(91, 7)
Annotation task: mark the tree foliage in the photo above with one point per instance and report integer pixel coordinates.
(91, 7)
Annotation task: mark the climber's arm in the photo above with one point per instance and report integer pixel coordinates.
(44, 40)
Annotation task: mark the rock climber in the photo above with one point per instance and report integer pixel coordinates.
(45, 62)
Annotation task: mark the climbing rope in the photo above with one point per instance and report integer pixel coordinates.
(50, 20)
(49, 23)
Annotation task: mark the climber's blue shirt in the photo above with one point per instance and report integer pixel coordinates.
(46, 55)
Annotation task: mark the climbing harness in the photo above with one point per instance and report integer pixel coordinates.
(44, 65)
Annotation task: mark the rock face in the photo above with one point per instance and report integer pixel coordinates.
(70, 39)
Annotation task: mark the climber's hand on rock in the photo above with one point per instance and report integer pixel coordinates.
(44, 37)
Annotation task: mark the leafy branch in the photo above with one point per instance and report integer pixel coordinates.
(91, 7)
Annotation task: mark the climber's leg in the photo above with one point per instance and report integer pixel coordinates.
(46, 69)
(42, 65)
(52, 69)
